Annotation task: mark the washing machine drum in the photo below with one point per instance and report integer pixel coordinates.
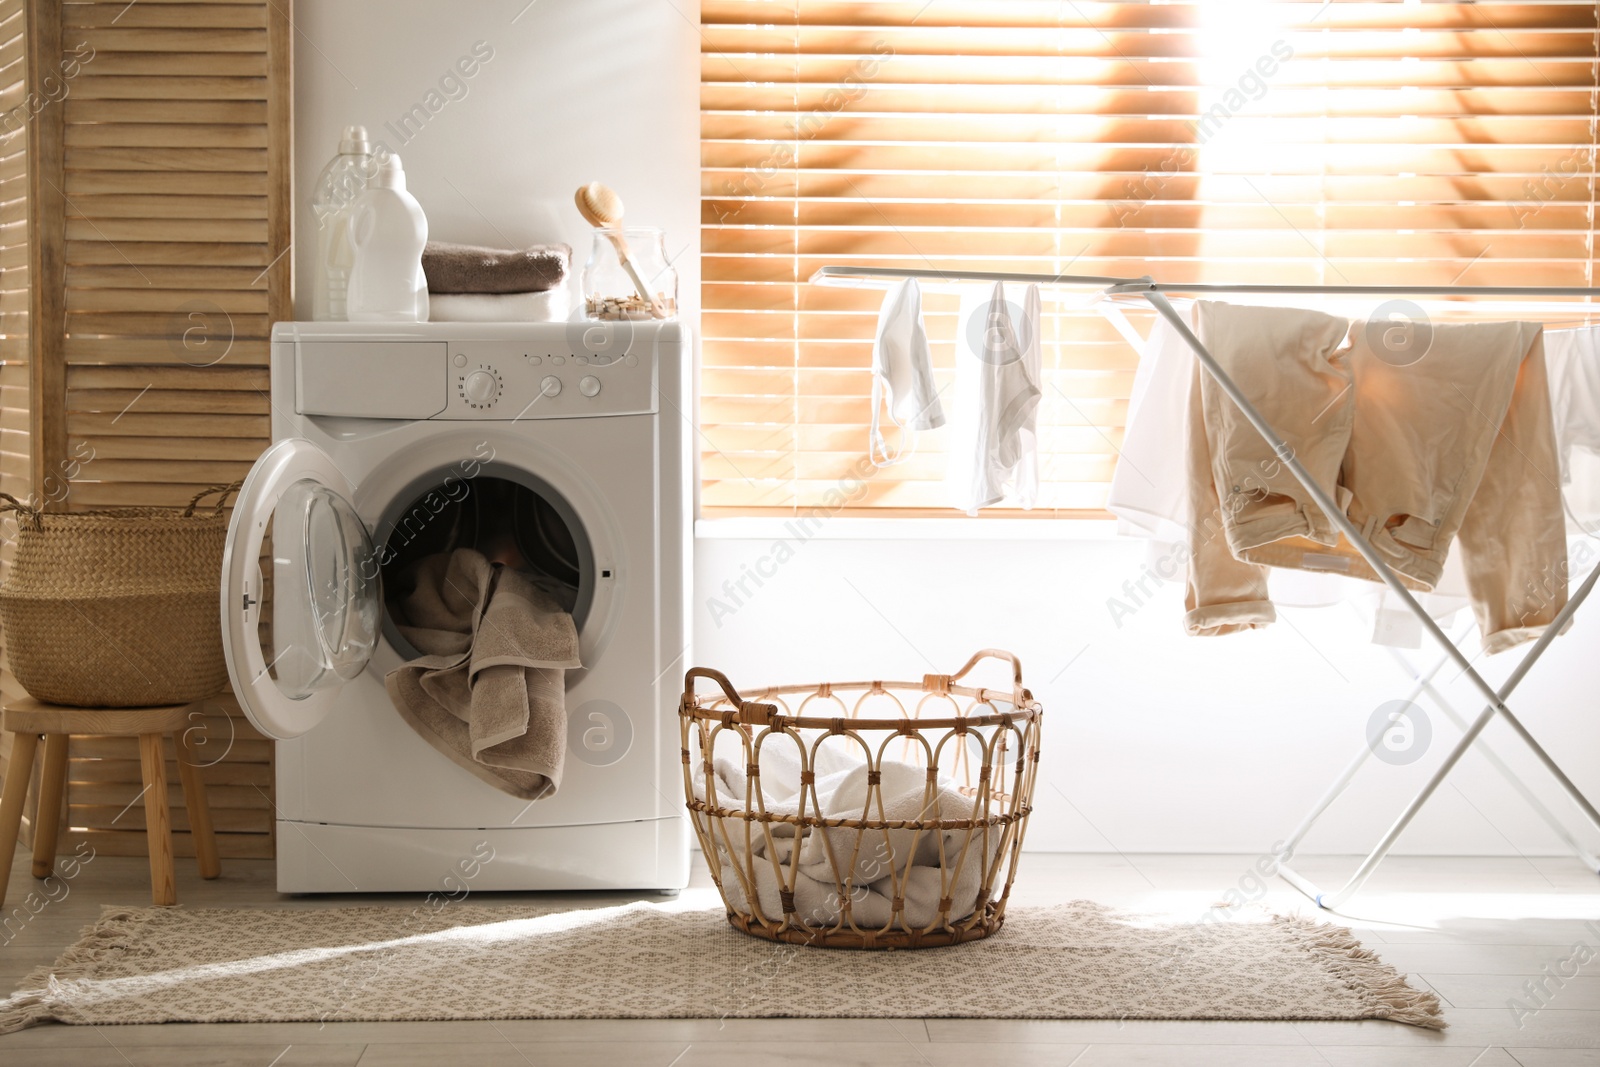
(511, 516)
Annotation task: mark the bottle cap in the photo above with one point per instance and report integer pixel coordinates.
(354, 142)
(390, 174)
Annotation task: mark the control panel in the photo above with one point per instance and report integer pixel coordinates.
(500, 380)
(563, 371)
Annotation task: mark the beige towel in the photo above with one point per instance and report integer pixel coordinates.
(489, 690)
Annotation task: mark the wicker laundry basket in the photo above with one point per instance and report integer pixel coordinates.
(116, 608)
(862, 814)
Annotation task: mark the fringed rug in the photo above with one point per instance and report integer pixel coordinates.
(681, 960)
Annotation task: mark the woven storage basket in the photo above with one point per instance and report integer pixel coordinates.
(862, 814)
(116, 608)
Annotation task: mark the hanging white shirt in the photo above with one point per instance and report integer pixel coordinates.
(1149, 488)
(994, 445)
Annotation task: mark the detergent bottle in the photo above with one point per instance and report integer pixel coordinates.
(336, 191)
(387, 231)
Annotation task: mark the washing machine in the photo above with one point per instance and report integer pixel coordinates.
(556, 448)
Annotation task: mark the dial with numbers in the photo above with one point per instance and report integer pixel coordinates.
(480, 388)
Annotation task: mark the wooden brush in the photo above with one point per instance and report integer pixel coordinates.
(601, 208)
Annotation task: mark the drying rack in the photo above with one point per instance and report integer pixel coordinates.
(1154, 293)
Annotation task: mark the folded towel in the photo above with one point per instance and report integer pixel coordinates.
(470, 269)
(887, 865)
(552, 305)
(489, 690)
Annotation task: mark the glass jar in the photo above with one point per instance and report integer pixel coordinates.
(609, 290)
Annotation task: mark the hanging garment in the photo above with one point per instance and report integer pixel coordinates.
(1150, 498)
(902, 373)
(1456, 445)
(1574, 361)
(1239, 492)
(994, 446)
(1149, 491)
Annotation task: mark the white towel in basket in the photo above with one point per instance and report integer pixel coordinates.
(872, 864)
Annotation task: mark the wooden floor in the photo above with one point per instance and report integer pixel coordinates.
(1474, 930)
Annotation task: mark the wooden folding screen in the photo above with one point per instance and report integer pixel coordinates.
(152, 172)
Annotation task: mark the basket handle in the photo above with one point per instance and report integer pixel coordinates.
(751, 712)
(1019, 695)
(222, 501)
(26, 512)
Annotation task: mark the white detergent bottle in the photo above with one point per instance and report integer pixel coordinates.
(336, 191)
(388, 230)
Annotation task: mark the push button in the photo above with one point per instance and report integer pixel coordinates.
(589, 385)
(550, 386)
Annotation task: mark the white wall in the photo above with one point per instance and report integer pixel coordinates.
(1153, 741)
(576, 91)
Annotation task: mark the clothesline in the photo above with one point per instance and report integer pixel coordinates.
(846, 276)
(1554, 315)
(1110, 296)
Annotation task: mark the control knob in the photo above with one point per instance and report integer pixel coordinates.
(481, 386)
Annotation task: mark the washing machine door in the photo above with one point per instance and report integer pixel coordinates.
(301, 595)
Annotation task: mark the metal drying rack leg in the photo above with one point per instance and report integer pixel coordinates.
(1496, 698)
(1423, 684)
(1559, 828)
(1336, 790)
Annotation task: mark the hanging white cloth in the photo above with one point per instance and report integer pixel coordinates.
(1572, 358)
(994, 442)
(1149, 489)
(902, 374)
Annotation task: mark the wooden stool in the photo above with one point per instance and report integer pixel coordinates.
(26, 719)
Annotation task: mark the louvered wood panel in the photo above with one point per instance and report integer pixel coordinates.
(174, 243)
(16, 451)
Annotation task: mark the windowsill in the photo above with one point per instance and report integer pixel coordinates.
(843, 528)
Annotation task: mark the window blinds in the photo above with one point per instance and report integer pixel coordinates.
(1224, 141)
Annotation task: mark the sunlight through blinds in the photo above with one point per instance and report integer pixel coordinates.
(1224, 141)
